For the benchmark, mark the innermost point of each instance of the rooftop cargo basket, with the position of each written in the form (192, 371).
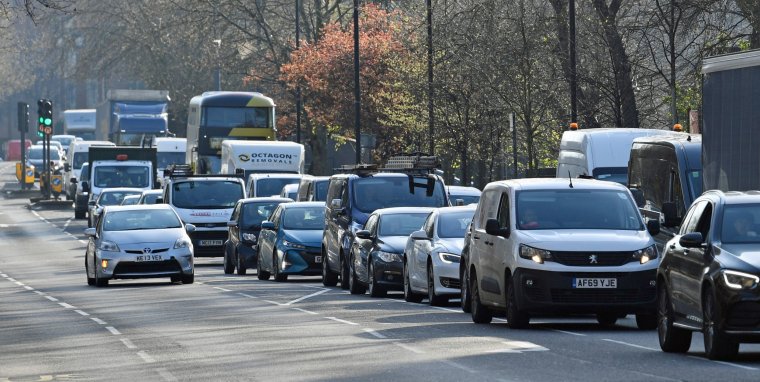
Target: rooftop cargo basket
(186, 171)
(411, 163)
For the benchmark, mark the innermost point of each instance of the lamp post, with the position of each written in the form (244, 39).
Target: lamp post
(573, 73)
(357, 93)
(298, 85)
(431, 116)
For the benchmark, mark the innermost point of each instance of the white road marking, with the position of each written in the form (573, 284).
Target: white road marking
(4, 226)
(341, 321)
(11, 279)
(407, 347)
(147, 358)
(39, 293)
(446, 309)
(307, 296)
(67, 224)
(166, 375)
(27, 287)
(247, 295)
(82, 241)
(113, 330)
(19, 283)
(99, 321)
(4, 275)
(518, 347)
(458, 366)
(51, 298)
(631, 345)
(304, 310)
(272, 302)
(128, 343)
(67, 306)
(724, 363)
(222, 289)
(567, 332)
(374, 333)
(82, 312)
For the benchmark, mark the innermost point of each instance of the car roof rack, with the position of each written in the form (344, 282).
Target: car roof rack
(415, 163)
(186, 171)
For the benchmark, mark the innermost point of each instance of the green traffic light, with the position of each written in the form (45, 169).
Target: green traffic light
(40, 134)
(48, 121)
(42, 119)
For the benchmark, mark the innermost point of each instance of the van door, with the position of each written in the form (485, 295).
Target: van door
(495, 251)
(479, 248)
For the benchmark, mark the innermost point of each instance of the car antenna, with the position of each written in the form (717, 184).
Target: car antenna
(570, 177)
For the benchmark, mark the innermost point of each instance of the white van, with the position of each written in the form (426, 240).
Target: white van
(600, 153)
(262, 157)
(77, 156)
(169, 151)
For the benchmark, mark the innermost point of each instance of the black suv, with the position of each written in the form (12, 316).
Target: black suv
(708, 278)
(406, 181)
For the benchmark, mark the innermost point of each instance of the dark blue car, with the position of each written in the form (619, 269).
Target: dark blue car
(290, 242)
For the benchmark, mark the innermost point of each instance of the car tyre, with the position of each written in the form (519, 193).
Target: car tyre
(90, 280)
(375, 289)
(261, 274)
(229, 266)
(240, 264)
(188, 279)
(329, 278)
(646, 321)
(278, 275)
(354, 286)
(344, 273)
(672, 339)
(606, 319)
(465, 297)
(717, 345)
(516, 318)
(409, 294)
(434, 299)
(480, 313)
(100, 282)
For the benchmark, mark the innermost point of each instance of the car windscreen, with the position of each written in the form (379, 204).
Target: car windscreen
(612, 174)
(453, 225)
(150, 198)
(140, 219)
(130, 201)
(79, 159)
(272, 186)
(373, 193)
(255, 213)
(466, 199)
(694, 177)
(401, 224)
(165, 159)
(206, 195)
(122, 176)
(304, 218)
(577, 209)
(320, 190)
(113, 198)
(740, 224)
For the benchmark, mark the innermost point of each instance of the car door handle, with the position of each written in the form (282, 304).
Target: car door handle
(489, 242)
(476, 237)
(672, 246)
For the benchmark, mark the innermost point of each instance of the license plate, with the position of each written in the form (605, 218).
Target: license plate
(209, 243)
(149, 258)
(317, 259)
(594, 283)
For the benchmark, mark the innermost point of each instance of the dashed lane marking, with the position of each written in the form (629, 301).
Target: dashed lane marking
(67, 224)
(724, 363)
(11, 279)
(222, 289)
(304, 311)
(247, 295)
(67, 306)
(51, 298)
(166, 375)
(113, 330)
(307, 296)
(99, 321)
(146, 357)
(568, 332)
(27, 287)
(128, 343)
(272, 302)
(341, 321)
(629, 344)
(82, 241)
(39, 293)
(19, 283)
(518, 347)
(374, 333)
(82, 312)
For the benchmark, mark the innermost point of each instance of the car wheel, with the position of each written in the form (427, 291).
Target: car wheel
(260, 272)
(480, 313)
(646, 321)
(188, 279)
(717, 345)
(409, 294)
(606, 319)
(240, 264)
(278, 276)
(229, 266)
(466, 299)
(90, 280)
(375, 290)
(434, 299)
(329, 278)
(354, 286)
(100, 282)
(672, 339)
(344, 273)
(516, 318)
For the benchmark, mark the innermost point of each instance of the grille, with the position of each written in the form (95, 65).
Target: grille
(129, 267)
(535, 294)
(602, 296)
(209, 235)
(603, 259)
(140, 251)
(210, 225)
(449, 282)
(744, 315)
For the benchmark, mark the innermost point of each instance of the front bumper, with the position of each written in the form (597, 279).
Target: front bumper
(301, 261)
(389, 274)
(553, 292)
(741, 320)
(208, 243)
(125, 265)
(446, 278)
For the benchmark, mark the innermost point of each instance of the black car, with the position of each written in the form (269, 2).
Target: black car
(244, 228)
(377, 255)
(708, 278)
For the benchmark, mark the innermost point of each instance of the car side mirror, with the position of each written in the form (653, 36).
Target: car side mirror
(493, 228)
(419, 235)
(691, 240)
(232, 223)
(670, 214)
(189, 228)
(638, 197)
(99, 211)
(653, 227)
(91, 232)
(459, 202)
(90, 203)
(363, 234)
(266, 224)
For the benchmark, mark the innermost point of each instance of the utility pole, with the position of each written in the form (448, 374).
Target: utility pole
(573, 72)
(298, 85)
(23, 128)
(357, 92)
(431, 116)
(218, 42)
(513, 129)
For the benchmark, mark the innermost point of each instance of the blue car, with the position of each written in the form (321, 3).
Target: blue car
(290, 242)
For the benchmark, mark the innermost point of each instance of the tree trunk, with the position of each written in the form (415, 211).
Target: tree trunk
(750, 9)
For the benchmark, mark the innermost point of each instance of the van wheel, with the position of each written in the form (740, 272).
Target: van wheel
(717, 346)
(672, 339)
(466, 299)
(329, 278)
(344, 273)
(480, 313)
(516, 318)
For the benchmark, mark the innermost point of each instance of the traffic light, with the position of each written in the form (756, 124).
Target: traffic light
(23, 117)
(45, 117)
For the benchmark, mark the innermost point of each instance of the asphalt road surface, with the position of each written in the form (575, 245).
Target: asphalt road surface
(53, 327)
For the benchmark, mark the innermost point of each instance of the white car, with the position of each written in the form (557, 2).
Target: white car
(140, 241)
(431, 258)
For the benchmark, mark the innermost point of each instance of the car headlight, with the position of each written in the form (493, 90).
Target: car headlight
(646, 254)
(389, 257)
(535, 254)
(292, 244)
(449, 257)
(739, 280)
(108, 246)
(250, 237)
(183, 242)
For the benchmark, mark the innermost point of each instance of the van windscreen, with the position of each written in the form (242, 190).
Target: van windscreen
(612, 174)
(206, 195)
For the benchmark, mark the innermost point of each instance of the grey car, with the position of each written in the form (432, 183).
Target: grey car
(139, 241)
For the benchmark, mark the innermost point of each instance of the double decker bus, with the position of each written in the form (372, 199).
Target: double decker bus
(221, 115)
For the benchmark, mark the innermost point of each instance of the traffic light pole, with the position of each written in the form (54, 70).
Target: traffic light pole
(23, 127)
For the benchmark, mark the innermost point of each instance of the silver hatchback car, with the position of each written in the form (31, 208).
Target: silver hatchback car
(139, 241)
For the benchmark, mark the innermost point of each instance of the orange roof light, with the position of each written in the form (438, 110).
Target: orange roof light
(677, 127)
(122, 157)
(573, 126)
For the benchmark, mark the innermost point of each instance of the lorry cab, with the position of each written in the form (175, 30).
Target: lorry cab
(78, 154)
(251, 157)
(169, 151)
(599, 153)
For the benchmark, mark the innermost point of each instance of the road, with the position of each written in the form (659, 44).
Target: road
(226, 327)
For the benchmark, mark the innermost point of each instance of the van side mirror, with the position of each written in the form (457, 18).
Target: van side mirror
(691, 240)
(670, 214)
(653, 227)
(493, 228)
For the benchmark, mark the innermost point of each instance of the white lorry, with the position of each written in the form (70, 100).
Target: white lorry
(268, 166)
(80, 123)
(599, 153)
(78, 153)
